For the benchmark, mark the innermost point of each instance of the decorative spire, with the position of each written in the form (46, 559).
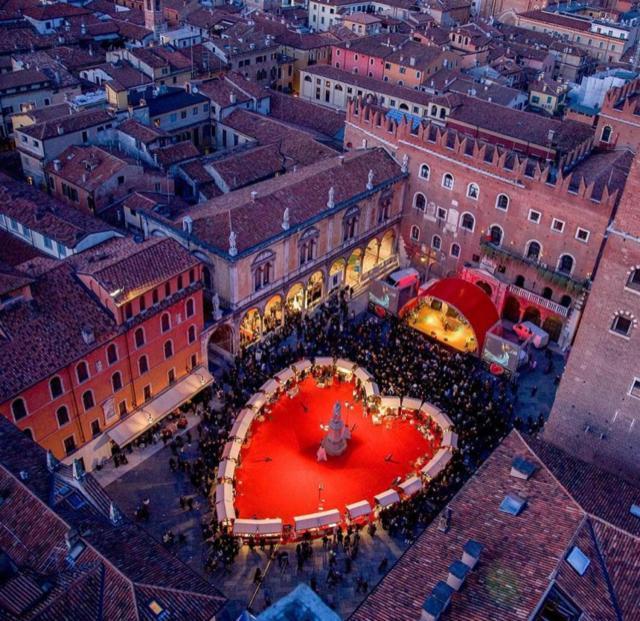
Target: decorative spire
(370, 180)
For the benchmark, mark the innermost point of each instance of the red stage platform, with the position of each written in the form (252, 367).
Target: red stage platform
(280, 476)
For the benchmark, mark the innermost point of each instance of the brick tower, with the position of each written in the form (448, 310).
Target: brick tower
(153, 16)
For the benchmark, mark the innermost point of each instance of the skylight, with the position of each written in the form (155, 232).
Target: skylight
(512, 504)
(635, 510)
(578, 560)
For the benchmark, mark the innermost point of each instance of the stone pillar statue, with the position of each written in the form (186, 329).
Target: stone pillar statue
(215, 302)
(370, 180)
(233, 250)
(335, 442)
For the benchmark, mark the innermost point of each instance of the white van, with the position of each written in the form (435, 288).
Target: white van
(527, 330)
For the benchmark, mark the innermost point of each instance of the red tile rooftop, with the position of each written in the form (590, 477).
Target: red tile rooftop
(68, 124)
(557, 19)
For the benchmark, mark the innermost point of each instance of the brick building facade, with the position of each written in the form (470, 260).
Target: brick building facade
(598, 402)
(90, 340)
(618, 122)
(534, 232)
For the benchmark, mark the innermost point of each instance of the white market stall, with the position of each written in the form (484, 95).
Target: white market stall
(386, 498)
(324, 361)
(437, 463)
(450, 438)
(358, 509)
(231, 450)
(411, 403)
(224, 502)
(226, 469)
(256, 402)
(389, 403)
(316, 520)
(301, 366)
(410, 486)
(263, 528)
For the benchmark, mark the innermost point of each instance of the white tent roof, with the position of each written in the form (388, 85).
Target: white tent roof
(371, 389)
(226, 469)
(442, 420)
(270, 386)
(410, 403)
(224, 502)
(231, 450)
(257, 527)
(344, 365)
(362, 374)
(390, 402)
(285, 375)
(386, 498)
(437, 463)
(256, 402)
(449, 438)
(301, 365)
(241, 424)
(316, 520)
(411, 485)
(358, 509)
(324, 361)
(155, 410)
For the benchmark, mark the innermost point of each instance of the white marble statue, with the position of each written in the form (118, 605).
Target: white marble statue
(233, 250)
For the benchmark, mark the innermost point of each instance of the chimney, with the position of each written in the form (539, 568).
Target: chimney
(52, 462)
(232, 98)
(254, 195)
(458, 572)
(522, 468)
(60, 130)
(57, 165)
(187, 224)
(87, 335)
(437, 602)
(114, 514)
(471, 553)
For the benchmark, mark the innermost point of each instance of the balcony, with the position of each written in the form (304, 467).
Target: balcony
(571, 285)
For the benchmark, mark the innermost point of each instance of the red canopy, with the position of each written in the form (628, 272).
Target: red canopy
(470, 301)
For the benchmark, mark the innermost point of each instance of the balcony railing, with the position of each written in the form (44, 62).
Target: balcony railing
(554, 276)
(534, 298)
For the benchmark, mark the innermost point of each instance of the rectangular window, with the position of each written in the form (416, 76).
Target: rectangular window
(147, 392)
(635, 388)
(534, 216)
(95, 428)
(122, 407)
(557, 225)
(582, 235)
(69, 445)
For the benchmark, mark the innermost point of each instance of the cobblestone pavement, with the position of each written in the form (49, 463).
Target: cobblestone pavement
(154, 479)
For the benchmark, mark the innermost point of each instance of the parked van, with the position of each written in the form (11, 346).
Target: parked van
(527, 330)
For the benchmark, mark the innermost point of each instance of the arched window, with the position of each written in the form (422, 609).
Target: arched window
(87, 400)
(55, 386)
(565, 265)
(338, 87)
(519, 282)
(606, 134)
(419, 201)
(547, 293)
(495, 234)
(28, 433)
(165, 322)
(415, 233)
(168, 349)
(112, 354)
(82, 372)
(139, 337)
(447, 181)
(424, 171)
(191, 335)
(473, 191)
(565, 301)
(622, 324)
(502, 202)
(468, 222)
(116, 381)
(307, 78)
(18, 409)
(633, 282)
(191, 307)
(534, 249)
(143, 365)
(307, 246)
(455, 250)
(436, 242)
(350, 224)
(62, 415)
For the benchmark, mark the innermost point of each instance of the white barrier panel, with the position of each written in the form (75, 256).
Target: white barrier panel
(437, 463)
(411, 485)
(301, 365)
(324, 361)
(392, 403)
(285, 375)
(442, 420)
(241, 424)
(449, 438)
(363, 375)
(226, 469)
(231, 450)
(256, 402)
(345, 366)
(410, 403)
(386, 498)
(257, 527)
(269, 387)
(316, 520)
(358, 509)
(224, 502)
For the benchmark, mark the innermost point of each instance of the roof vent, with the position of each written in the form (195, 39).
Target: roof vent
(512, 504)
(88, 335)
(24, 475)
(254, 195)
(471, 553)
(578, 560)
(444, 521)
(522, 468)
(57, 165)
(458, 572)
(60, 130)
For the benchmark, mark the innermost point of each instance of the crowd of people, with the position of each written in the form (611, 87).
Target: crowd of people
(404, 363)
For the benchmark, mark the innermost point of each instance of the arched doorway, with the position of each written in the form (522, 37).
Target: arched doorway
(314, 289)
(547, 293)
(295, 299)
(250, 327)
(336, 274)
(387, 246)
(565, 301)
(354, 268)
(221, 338)
(511, 309)
(532, 314)
(486, 287)
(553, 327)
(370, 256)
(273, 313)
